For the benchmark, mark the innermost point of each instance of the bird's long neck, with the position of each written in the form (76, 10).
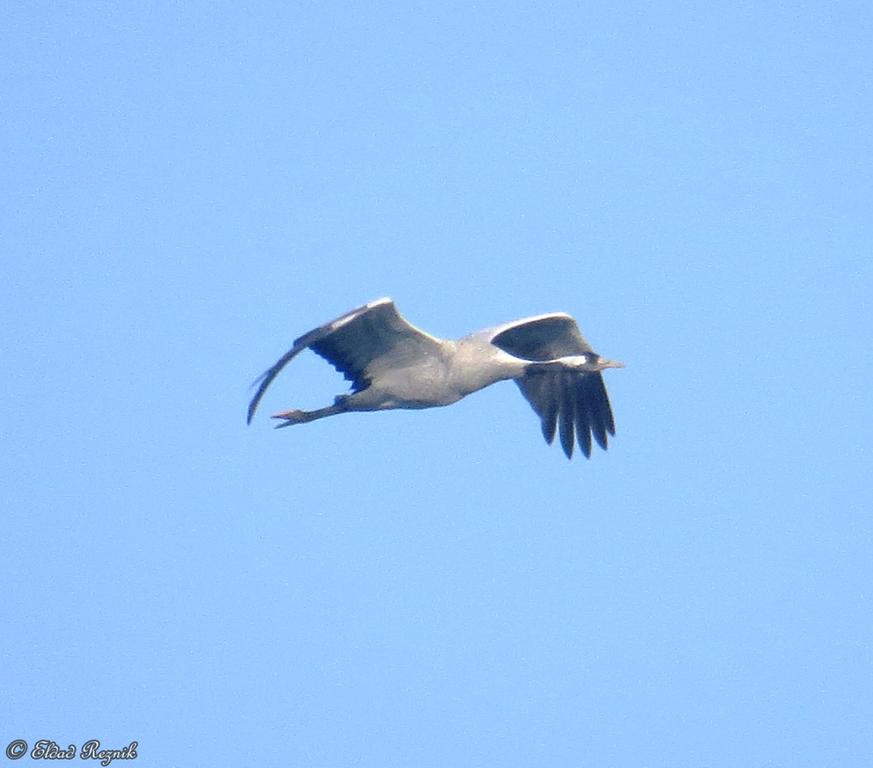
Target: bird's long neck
(471, 371)
(569, 363)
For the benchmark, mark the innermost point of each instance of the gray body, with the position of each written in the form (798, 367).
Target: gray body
(392, 364)
(455, 370)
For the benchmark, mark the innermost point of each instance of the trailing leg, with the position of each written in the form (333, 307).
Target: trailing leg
(301, 417)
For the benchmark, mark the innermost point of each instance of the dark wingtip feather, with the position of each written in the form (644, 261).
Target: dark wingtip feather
(266, 378)
(253, 405)
(550, 392)
(599, 435)
(583, 420)
(608, 420)
(567, 437)
(601, 413)
(567, 414)
(549, 426)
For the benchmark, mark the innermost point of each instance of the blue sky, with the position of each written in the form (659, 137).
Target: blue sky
(186, 189)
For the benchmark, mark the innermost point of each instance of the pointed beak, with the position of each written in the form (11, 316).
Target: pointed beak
(609, 364)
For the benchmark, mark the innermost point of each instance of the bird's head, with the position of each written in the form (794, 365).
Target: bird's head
(590, 362)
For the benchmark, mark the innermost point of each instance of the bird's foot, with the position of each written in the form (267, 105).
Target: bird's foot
(290, 417)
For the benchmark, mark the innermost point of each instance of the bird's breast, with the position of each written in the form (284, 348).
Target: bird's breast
(475, 367)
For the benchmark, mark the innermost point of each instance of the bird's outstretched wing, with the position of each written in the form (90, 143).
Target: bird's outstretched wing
(353, 342)
(574, 401)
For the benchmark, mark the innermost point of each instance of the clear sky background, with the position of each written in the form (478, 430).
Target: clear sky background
(187, 188)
